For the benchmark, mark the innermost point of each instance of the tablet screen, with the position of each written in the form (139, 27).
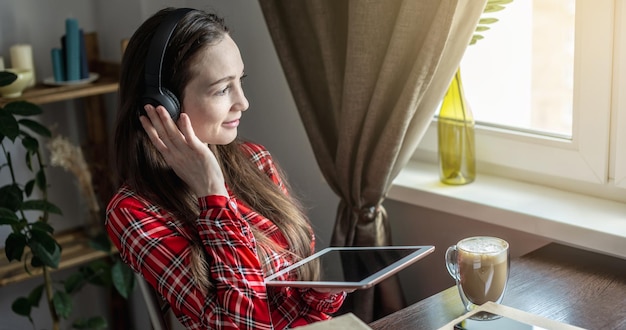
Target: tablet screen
(353, 267)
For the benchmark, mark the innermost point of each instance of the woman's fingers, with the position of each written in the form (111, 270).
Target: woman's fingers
(163, 129)
(184, 125)
(148, 123)
(190, 159)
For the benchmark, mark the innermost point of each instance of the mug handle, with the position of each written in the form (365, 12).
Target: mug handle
(452, 263)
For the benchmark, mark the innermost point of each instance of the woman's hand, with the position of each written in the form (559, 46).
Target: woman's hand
(190, 158)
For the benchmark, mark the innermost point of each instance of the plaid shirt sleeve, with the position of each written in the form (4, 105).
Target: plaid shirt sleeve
(151, 242)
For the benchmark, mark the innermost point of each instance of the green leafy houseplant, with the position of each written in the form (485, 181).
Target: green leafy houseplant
(31, 241)
(492, 6)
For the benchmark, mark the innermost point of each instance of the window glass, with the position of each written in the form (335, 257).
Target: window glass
(564, 87)
(521, 75)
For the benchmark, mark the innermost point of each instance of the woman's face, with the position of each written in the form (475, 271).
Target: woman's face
(214, 99)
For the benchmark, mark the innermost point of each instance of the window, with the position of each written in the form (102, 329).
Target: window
(587, 145)
(521, 75)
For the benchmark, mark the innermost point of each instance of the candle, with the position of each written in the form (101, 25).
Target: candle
(1, 63)
(22, 58)
(58, 64)
(84, 65)
(72, 49)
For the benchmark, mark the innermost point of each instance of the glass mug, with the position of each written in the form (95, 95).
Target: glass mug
(480, 266)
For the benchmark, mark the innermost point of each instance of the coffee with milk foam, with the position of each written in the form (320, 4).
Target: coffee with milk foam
(483, 268)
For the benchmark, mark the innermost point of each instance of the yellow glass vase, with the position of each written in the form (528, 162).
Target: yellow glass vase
(455, 130)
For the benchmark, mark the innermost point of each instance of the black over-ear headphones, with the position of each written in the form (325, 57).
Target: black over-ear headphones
(155, 93)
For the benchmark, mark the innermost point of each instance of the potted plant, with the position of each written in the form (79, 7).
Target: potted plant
(32, 239)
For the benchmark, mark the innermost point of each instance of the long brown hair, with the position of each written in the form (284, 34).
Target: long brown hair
(143, 169)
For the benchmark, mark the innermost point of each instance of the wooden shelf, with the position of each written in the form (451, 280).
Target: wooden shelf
(74, 244)
(42, 94)
(75, 251)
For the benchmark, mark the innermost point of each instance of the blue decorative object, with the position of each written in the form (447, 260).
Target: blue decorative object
(84, 65)
(58, 67)
(72, 49)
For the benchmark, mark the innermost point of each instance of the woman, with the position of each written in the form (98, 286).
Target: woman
(203, 216)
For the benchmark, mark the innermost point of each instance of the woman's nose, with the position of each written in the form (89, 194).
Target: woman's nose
(242, 101)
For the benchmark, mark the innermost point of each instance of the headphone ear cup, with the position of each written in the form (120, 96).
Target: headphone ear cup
(174, 105)
(165, 98)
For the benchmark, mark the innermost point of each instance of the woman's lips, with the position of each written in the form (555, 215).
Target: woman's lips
(232, 123)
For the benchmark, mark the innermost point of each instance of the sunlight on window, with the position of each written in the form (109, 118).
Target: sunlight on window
(520, 76)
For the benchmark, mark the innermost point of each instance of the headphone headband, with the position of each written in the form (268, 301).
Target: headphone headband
(158, 46)
(155, 93)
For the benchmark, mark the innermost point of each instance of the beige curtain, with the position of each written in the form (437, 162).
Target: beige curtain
(367, 76)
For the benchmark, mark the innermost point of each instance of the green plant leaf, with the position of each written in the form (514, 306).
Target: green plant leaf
(74, 282)
(36, 262)
(482, 28)
(48, 253)
(62, 304)
(493, 8)
(29, 162)
(9, 221)
(23, 108)
(41, 181)
(36, 127)
(31, 144)
(8, 217)
(475, 38)
(8, 125)
(11, 197)
(44, 238)
(41, 205)
(123, 278)
(499, 2)
(488, 20)
(94, 323)
(35, 296)
(98, 272)
(29, 187)
(6, 78)
(42, 226)
(22, 306)
(14, 246)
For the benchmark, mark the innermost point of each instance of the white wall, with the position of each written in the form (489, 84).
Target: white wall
(271, 120)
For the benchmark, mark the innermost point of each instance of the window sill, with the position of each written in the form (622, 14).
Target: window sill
(575, 219)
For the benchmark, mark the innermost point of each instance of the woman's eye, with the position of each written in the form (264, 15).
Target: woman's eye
(223, 91)
(227, 88)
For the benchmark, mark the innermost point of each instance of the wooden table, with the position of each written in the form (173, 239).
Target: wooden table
(562, 283)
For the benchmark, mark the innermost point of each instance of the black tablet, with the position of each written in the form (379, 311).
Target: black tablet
(490, 321)
(353, 267)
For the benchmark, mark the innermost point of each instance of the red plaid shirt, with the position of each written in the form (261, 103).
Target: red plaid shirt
(157, 245)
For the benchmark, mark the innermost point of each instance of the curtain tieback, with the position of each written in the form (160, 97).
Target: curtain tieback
(368, 213)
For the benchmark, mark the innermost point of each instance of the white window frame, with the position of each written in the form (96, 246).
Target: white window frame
(619, 96)
(586, 156)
